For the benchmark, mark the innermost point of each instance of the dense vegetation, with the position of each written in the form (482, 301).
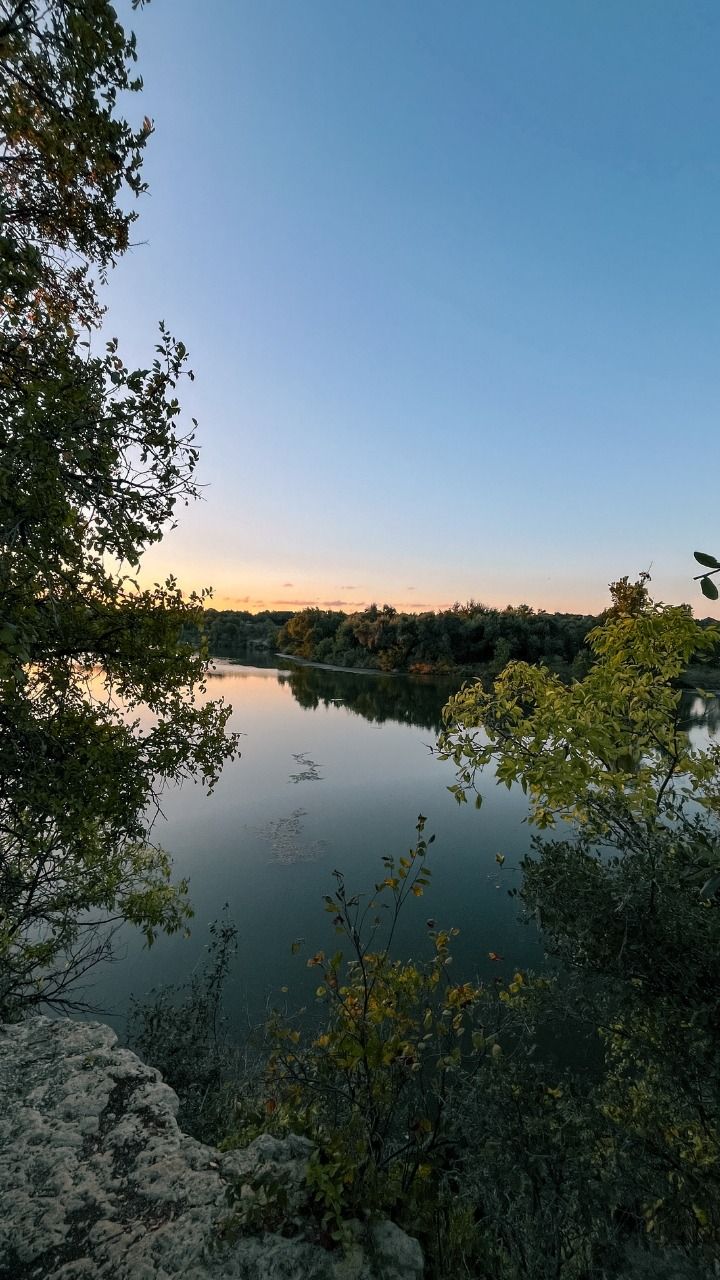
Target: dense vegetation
(467, 635)
(383, 639)
(231, 633)
(466, 638)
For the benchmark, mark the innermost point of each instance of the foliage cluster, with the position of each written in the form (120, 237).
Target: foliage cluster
(183, 1030)
(540, 1127)
(371, 1086)
(230, 633)
(465, 636)
(607, 751)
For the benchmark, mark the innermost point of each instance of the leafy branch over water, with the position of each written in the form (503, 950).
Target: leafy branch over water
(94, 462)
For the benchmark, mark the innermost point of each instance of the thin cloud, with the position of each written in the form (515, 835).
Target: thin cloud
(297, 604)
(341, 604)
(347, 586)
(288, 584)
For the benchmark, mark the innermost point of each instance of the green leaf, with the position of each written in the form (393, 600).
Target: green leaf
(709, 561)
(708, 588)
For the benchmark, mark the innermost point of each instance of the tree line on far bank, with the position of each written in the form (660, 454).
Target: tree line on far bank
(466, 636)
(382, 638)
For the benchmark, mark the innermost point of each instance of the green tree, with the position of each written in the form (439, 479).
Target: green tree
(604, 751)
(629, 904)
(93, 462)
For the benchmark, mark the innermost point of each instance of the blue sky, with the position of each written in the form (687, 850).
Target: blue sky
(448, 273)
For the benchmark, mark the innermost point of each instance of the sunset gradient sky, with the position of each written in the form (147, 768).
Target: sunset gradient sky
(448, 273)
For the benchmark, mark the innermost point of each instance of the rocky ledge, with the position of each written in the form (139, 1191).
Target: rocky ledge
(97, 1182)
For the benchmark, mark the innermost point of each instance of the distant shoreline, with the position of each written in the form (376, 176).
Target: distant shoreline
(329, 666)
(693, 679)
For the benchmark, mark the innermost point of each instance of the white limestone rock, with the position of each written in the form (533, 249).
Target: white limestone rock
(97, 1182)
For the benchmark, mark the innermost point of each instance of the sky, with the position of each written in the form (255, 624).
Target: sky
(448, 273)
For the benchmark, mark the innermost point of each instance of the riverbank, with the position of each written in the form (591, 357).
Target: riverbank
(329, 666)
(485, 671)
(697, 677)
(701, 678)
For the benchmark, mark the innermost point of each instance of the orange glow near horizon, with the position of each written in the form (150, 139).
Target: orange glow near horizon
(244, 588)
(251, 605)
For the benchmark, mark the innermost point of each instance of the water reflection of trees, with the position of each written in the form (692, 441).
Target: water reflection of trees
(700, 713)
(404, 699)
(412, 700)
(419, 701)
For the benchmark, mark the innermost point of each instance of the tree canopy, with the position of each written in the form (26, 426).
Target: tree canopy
(608, 743)
(469, 635)
(94, 460)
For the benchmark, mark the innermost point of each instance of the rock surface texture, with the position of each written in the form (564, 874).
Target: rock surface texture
(97, 1182)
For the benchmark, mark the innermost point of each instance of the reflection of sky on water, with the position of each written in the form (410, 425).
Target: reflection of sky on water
(267, 840)
(267, 844)
(701, 718)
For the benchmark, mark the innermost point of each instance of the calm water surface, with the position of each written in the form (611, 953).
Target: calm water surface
(335, 768)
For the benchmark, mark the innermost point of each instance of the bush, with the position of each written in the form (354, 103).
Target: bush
(182, 1031)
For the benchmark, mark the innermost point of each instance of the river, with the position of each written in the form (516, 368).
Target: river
(335, 768)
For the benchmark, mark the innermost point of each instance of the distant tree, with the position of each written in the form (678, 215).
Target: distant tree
(629, 598)
(304, 631)
(93, 463)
